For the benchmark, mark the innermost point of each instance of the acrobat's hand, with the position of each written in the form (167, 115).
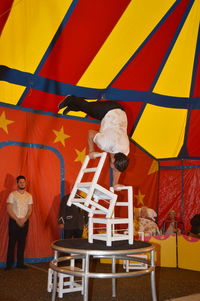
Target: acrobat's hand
(92, 155)
(118, 186)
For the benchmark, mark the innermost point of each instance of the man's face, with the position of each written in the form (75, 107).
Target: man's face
(172, 215)
(21, 184)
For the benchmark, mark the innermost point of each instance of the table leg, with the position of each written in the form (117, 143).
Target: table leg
(86, 278)
(113, 279)
(153, 285)
(55, 274)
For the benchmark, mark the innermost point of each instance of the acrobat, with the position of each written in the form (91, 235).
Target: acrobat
(112, 136)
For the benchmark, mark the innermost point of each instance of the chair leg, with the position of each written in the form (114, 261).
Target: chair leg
(49, 281)
(60, 286)
(90, 230)
(108, 232)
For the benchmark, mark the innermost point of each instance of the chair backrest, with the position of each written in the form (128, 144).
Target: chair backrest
(128, 202)
(87, 187)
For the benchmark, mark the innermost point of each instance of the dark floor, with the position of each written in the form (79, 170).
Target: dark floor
(31, 285)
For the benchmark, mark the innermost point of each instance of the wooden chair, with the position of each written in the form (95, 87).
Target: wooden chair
(111, 233)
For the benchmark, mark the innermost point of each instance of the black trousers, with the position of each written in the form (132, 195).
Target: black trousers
(97, 109)
(17, 235)
(73, 233)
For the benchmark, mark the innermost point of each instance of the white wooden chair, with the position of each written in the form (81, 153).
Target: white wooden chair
(110, 232)
(66, 283)
(92, 191)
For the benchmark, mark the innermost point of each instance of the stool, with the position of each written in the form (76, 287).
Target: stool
(99, 250)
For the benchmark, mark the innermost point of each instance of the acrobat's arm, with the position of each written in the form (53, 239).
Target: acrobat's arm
(116, 173)
(116, 176)
(91, 135)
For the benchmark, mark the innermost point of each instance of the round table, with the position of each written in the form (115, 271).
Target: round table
(82, 249)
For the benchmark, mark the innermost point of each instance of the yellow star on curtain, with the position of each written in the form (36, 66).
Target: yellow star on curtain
(60, 136)
(4, 122)
(140, 198)
(80, 155)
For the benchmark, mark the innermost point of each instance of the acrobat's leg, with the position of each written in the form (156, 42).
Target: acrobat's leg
(72, 103)
(96, 109)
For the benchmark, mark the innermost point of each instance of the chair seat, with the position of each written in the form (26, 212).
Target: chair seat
(118, 220)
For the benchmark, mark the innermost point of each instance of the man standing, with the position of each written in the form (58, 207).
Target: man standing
(112, 136)
(19, 208)
(72, 219)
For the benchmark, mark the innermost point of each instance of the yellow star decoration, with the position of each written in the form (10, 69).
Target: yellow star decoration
(140, 198)
(153, 168)
(80, 155)
(4, 122)
(60, 136)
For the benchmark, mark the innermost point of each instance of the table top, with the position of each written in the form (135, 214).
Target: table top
(82, 246)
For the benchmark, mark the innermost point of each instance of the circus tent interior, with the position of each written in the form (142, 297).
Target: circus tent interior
(144, 55)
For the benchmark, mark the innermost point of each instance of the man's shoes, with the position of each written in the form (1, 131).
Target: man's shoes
(21, 266)
(66, 110)
(64, 103)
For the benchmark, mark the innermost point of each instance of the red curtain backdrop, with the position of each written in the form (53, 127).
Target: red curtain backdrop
(49, 151)
(5, 8)
(179, 190)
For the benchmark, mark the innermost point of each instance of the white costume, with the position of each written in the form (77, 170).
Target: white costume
(112, 136)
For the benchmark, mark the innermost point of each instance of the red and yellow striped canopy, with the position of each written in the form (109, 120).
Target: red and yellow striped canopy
(145, 54)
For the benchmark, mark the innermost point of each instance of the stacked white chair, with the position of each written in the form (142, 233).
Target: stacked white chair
(111, 231)
(93, 192)
(100, 203)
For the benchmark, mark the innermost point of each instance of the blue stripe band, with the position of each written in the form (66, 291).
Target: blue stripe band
(59, 88)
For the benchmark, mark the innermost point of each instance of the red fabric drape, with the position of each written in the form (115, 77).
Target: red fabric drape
(179, 190)
(5, 7)
(47, 150)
